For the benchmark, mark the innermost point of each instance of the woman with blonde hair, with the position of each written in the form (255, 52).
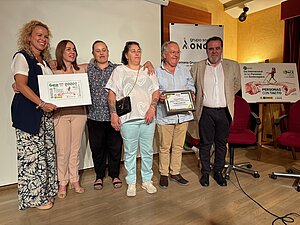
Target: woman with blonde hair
(32, 119)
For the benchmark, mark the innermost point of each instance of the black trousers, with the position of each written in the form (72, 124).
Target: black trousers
(214, 130)
(106, 145)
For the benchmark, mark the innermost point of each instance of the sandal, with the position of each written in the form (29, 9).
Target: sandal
(98, 185)
(117, 183)
(47, 205)
(77, 188)
(62, 191)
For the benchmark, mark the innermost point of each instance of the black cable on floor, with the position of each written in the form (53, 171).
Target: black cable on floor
(284, 219)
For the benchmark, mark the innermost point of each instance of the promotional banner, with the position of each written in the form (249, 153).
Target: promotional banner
(270, 82)
(191, 39)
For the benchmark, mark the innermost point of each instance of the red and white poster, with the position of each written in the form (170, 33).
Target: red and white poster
(270, 82)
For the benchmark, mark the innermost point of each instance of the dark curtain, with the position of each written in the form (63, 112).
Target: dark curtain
(291, 52)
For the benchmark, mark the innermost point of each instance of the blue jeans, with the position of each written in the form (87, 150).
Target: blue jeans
(137, 133)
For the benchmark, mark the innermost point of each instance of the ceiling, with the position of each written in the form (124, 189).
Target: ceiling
(235, 7)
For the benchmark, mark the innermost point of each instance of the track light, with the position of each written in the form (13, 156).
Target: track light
(243, 15)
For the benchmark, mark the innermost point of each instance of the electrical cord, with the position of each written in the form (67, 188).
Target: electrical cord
(284, 219)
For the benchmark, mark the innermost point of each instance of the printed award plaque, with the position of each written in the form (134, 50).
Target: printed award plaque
(179, 101)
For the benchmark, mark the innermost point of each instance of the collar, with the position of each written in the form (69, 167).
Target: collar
(207, 62)
(94, 63)
(164, 68)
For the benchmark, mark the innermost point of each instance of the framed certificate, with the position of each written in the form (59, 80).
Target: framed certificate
(64, 90)
(179, 101)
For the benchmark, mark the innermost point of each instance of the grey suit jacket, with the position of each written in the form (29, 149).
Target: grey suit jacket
(232, 83)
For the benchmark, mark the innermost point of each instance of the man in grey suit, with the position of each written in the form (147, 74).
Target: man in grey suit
(217, 80)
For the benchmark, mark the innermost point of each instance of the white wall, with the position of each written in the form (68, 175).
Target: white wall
(82, 21)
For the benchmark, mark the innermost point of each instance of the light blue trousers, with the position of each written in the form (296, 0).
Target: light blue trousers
(137, 133)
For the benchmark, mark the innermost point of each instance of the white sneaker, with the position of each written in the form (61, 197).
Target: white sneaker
(131, 190)
(149, 187)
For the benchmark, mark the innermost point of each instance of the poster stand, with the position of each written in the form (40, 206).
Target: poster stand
(268, 84)
(265, 108)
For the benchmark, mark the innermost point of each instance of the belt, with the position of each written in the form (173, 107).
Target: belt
(214, 108)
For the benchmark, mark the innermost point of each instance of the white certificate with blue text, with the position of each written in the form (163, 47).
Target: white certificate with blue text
(64, 90)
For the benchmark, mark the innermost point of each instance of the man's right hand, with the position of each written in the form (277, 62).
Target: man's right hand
(162, 97)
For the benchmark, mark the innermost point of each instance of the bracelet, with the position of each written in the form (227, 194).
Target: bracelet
(41, 105)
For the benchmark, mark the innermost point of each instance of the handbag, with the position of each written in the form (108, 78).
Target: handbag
(123, 106)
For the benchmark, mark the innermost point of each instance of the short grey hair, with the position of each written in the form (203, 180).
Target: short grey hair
(165, 46)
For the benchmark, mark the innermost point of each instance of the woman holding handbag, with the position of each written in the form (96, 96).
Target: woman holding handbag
(137, 126)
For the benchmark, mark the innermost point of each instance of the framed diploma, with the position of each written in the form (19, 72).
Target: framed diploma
(179, 101)
(64, 90)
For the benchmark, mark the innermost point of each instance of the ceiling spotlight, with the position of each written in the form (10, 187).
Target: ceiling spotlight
(243, 15)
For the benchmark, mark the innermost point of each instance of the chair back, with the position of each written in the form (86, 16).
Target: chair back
(293, 118)
(240, 132)
(242, 114)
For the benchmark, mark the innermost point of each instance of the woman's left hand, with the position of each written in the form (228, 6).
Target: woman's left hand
(53, 64)
(48, 107)
(150, 115)
(15, 89)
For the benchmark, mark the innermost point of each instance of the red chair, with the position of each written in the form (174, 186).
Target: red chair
(290, 138)
(241, 134)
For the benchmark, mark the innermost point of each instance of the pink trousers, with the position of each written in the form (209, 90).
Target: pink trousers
(69, 124)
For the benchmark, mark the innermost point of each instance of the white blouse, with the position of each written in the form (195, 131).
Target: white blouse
(121, 82)
(19, 65)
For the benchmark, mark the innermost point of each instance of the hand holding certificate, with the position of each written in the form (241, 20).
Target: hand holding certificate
(179, 101)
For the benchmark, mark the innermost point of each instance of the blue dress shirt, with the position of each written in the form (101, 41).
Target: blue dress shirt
(180, 80)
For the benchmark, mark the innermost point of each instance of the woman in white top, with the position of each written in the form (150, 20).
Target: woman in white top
(136, 127)
(33, 120)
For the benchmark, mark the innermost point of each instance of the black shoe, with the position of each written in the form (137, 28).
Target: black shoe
(218, 176)
(163, 182)
(179, 179)
(204, 180)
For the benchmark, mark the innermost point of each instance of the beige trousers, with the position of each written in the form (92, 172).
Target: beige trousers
(171, 141)
(69, 125)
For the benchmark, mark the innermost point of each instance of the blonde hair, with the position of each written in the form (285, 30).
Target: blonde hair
(25, 32)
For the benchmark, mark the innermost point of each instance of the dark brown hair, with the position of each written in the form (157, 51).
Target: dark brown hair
(96, 42)
(124, 60)
(215, 38)
(60, 48)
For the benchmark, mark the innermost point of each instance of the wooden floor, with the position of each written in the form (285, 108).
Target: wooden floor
(189, 205)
